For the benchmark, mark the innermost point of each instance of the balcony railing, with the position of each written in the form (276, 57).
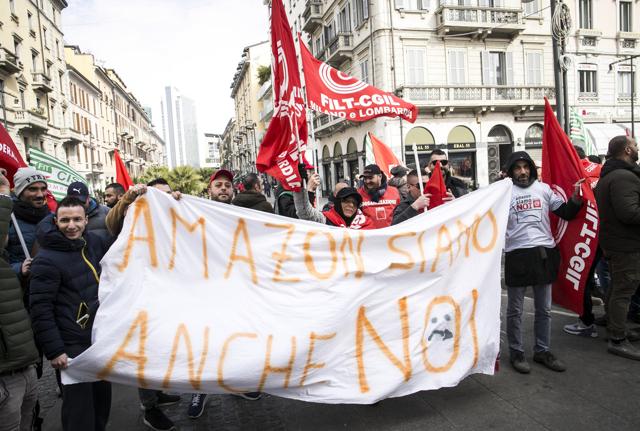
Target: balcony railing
(470, 95)
(339, 49)
(9, 62)
(326, 125)
(41, 82)
(312, 15)
(453, 18)
(33, 119)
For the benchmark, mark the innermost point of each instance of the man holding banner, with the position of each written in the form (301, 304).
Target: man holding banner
(532, 258)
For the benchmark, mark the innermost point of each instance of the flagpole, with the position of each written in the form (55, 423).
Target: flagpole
(415, 156)
(20, 237)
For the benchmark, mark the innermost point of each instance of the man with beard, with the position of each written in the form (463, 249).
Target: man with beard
(112, 194)
(532, 258)
(414, 203)
(252, 196)
(618, 198)
(221, 186)
(29, 208)
(378, 198)
(455, 185)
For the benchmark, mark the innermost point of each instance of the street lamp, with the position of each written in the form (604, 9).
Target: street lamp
(633, 88)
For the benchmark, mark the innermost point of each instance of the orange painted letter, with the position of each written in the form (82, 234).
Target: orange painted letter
(223, 356)
(268, 369)
(195, 378)
(363, 324)
(248, 259)
(141, 206)
(175, 218)
(282, 256)
(391, 244)
(309, 365)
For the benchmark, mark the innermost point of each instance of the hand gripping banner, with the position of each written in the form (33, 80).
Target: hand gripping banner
(335, 93)
(198, 296)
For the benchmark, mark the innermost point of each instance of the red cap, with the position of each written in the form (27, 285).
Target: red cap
(221, 173)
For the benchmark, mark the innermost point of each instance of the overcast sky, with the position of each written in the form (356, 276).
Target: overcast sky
(194, 45)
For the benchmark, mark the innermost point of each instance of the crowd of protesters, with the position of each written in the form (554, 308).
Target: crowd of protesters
(50, 266)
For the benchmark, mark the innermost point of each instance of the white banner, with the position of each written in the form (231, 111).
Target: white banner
(198, 296)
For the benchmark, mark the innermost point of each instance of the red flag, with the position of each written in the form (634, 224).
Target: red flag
(383, 155)
(10, 157)
(338, 94)
(577, 239)
(436, 187)
(285, 141)
(122, 175)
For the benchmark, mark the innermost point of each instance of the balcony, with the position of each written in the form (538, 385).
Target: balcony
(327, 125)
(71, 136)
(312, 15)
(339, 49)
(41, 82)
(483, 21)
(9, 62)
(97, 168)
(475, 97)
(34, 119)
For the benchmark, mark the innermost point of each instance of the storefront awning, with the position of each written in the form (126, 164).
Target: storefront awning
(602, 133)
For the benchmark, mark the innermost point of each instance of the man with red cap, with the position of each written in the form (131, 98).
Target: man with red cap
(378, 198)
(221, 186)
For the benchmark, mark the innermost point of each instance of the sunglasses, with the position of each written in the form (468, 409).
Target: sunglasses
(442, 162)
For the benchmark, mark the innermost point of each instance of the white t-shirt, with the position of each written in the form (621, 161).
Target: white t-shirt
(529, 224)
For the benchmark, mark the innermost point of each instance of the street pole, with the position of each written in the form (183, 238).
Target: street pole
(633, 95)
(557, 74)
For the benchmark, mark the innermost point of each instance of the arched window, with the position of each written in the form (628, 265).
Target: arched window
(533, 136)
(461, 135)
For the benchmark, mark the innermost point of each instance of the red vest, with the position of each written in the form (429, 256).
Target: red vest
(360, 221)
(593, 172)
(380, 213)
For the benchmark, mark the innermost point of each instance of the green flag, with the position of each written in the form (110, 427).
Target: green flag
(579, 135)
(59, 174)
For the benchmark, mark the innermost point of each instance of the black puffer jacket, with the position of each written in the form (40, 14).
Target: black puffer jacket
(17, 347)
(618, 198)
(63, 275)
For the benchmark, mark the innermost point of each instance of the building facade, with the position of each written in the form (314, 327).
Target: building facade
(107, 116)
(599, 90)
(180, 129)
(213, 149)
(249, 99)
(478, 71)
(33, 75)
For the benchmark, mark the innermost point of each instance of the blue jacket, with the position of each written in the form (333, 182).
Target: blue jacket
(97, 214)
(64, 274)
(14, 248)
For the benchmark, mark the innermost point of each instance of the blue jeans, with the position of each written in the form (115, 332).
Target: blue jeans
(542, 321)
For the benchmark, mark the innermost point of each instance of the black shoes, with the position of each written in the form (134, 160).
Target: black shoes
(549, 360)
(167, 399)
(624, 349)
(198, 403)
(156, 420)
(519, 363)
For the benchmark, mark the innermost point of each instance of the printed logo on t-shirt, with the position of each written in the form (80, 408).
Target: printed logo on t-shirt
(528, 209)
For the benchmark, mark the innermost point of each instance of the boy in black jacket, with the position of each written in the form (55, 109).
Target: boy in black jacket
(64, 300)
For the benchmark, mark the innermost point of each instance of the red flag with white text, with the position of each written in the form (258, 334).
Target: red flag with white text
(10, 157)
(285, 141)
(576, 239)
(436, 187)
(336, 93)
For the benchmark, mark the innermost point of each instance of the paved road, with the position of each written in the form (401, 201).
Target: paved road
(598, 392)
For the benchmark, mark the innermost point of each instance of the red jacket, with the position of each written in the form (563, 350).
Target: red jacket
(380, 213)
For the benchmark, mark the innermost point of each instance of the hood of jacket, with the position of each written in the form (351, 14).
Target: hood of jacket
(50, 237)
(511, 163)
(615, 164)
(249, 199)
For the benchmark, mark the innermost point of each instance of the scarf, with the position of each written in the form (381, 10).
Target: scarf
(28, 213)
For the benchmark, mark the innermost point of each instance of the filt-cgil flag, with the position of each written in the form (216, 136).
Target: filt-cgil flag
(333, 92)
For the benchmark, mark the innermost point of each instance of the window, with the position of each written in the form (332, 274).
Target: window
(45, 37)
(534, 68)
(22, 100)
(30, 21)
(532, 9)
(497, 68)
(456, 67)
(412, 4)
(625, 16)
(586, 18)
(57, 48)
(488, 3)
(61, 82)
(361, 11)
(364, 70)
(329, 33)
(415, 60)
(344, 19)
(16, 48)
(624, 83)
(588, 83)
(12, 6)
(34, 62)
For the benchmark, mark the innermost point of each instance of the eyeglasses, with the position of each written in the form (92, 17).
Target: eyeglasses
(442, 162)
